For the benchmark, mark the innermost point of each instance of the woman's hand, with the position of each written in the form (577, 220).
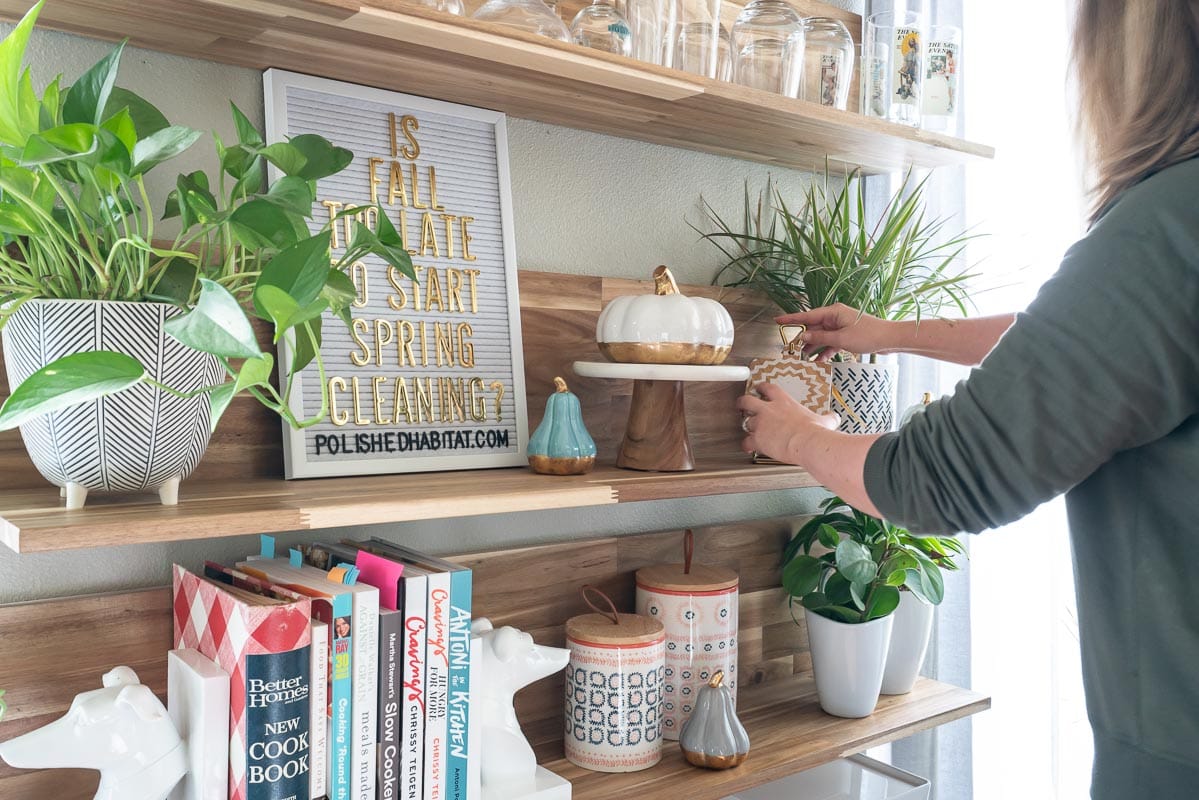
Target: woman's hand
(776, 425)
(832, 329)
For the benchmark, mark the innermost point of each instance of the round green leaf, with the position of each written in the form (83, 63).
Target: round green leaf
(884, 600)
(801, 575)
(69, 381)
(829, 536)
(854, 562)
(216, 325)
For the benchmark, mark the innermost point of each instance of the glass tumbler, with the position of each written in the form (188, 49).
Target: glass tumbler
(454, 7)
(701, 43)
(943, 57)
(892, 72)
(652, 23)
(527, 15)
(601, 27)
(828, 62)
(767, 44)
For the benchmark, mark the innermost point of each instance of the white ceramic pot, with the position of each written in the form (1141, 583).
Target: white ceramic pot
(848, 661)
(909, 642)
(869, 390)
(137, 440)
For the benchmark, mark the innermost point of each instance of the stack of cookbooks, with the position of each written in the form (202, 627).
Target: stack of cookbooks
(350, 667)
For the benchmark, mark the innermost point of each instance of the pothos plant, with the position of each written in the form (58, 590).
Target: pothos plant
(867, 563)
(77, 223)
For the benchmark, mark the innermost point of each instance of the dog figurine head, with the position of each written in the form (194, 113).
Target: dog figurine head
(122, 730)
(511, 660)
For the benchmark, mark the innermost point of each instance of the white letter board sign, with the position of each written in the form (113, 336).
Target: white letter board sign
(431, 374)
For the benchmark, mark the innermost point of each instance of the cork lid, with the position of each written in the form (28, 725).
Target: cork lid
(628, 629)
(608, 628)
(675, 578)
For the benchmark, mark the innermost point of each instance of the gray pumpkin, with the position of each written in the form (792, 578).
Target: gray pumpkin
(712, 736)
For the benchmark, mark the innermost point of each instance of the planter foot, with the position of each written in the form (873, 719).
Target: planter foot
(168, 493)
(62, 491)
(76, 495)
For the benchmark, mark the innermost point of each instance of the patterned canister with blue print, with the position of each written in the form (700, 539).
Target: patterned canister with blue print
(698, 607)
(614, 691)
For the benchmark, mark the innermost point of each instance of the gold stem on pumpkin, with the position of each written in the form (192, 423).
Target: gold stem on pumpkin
(560, 385)
(716, 679)
(664, 281)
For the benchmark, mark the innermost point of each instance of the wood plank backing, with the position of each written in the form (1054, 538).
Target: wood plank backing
(395, 45)
(51, 650)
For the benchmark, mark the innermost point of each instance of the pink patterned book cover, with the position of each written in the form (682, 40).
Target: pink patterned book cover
(263, 644)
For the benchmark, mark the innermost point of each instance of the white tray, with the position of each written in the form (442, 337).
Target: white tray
(660, 372)
(853, 778)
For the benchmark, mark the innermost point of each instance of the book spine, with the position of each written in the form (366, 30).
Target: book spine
(318, 728)
(277, 716)
(366, 693)
(341, 717)
(437, 656)
(458, 703)
(412, 735)
(391, 676)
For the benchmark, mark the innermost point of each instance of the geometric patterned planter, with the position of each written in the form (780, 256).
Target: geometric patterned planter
(868, 389)
(137, 440)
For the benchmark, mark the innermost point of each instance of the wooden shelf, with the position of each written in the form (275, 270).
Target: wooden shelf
(394, 45)
(788, 733)
(35, 520)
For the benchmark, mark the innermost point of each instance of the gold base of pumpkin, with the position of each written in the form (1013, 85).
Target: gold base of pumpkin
(664, 353)
(714, 762)
(545, 465)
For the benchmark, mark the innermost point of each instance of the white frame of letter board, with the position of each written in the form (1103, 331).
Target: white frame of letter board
(275, 83)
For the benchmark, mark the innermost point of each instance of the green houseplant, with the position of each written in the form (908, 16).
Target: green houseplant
(113, 335)
(850, 593)
(827, 249)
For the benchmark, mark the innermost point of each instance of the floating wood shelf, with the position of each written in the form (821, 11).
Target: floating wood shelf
(394, 45)
(787, 732)
(35, 520)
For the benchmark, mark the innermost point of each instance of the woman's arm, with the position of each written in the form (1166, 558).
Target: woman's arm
(835, 328)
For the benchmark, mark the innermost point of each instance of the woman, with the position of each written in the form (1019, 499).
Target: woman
(1093, 391)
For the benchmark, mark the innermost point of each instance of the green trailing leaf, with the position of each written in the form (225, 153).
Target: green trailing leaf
(178, 282)
(304, 348)
(17, 118)
(69, 381)
(122, 127)
(254, 372)
(218, 401)
(282, 309)
(147, 119)
(88, 97)
(300, 271)
(340, 293)
(286, 157)
(293, 194)
(247, 134)
(162, 146)
(321, 157)
(216, 325)
(364, 240)
(259, 224)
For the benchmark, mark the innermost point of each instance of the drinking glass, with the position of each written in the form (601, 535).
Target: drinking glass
(449, 6)
(892, 73)
(652, 23)
(943, 55)
(527, 15)
(828, 62)
(601, 27)
(767, 46)
(701, 43)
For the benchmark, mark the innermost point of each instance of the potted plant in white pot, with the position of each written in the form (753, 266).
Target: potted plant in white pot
(122, 353)
(898, 265)
(849, 595)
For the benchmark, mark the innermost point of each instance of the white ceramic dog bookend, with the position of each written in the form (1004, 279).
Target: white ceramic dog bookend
(511, 661)
(122, 730)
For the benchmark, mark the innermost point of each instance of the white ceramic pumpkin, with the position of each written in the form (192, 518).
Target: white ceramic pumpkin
(666, 327)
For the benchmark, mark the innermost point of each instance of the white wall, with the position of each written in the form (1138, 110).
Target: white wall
(585, 204)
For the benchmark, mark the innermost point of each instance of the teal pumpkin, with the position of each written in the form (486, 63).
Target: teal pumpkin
(561, 445)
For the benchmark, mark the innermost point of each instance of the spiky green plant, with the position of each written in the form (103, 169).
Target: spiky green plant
(901, 266)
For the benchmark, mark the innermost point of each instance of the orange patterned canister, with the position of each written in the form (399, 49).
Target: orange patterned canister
(614, 691)
(698, 607)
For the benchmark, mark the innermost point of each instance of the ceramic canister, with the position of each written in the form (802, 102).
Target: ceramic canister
(614, 691)
(698, 607)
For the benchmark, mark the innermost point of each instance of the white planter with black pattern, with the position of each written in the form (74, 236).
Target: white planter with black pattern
(141, 439)
(869, 391)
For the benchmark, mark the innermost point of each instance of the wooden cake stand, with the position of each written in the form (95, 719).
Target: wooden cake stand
(655, 438)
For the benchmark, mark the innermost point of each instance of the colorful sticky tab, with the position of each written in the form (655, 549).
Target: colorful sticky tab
(267, 543)
(383, 573)
(295, 558)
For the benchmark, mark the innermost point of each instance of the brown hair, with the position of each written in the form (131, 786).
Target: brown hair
(1137, 64)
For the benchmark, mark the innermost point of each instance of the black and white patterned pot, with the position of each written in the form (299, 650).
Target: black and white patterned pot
(869, 390)
(139, 439)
